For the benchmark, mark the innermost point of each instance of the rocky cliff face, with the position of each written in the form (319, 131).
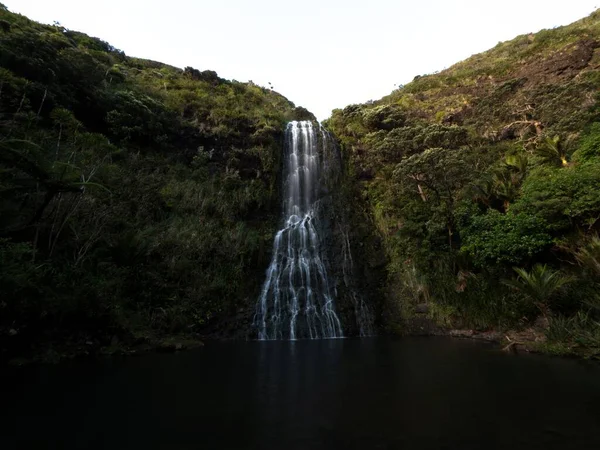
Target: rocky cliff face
(350, 246)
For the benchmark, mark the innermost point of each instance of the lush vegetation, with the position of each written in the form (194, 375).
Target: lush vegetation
(137, 201)
(484, 183)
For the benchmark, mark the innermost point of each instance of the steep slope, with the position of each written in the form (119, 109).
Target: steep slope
(138, 200)
(491, 164)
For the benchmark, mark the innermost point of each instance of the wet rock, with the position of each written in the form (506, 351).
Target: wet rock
(422, 308)
(491, 336)
(462, 333)
(421, 326)
(542, 323)
(366, 174)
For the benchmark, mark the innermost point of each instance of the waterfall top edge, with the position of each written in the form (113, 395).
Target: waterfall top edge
(301, 123)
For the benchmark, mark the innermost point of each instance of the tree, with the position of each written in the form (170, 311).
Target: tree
(553, 151)
(539, 285)
(436, 176)
(496, 238)
(564, 197)
(508, 178)
(588, 255)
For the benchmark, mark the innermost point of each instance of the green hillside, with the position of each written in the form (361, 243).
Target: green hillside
(483, 181)
(138, 200)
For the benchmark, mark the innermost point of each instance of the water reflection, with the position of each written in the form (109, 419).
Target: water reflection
(363, 393)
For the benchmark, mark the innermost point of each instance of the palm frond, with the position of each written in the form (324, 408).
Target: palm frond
(589, 255)
(540, 284)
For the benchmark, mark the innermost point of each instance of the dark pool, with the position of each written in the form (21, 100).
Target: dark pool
(413, 393)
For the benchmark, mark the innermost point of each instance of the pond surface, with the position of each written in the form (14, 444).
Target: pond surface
(410, 393)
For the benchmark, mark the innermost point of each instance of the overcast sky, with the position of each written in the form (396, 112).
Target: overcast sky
(321, 54)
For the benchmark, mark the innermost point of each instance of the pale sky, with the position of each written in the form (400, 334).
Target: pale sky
(320, 54)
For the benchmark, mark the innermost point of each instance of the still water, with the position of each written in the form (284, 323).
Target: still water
(411, 393)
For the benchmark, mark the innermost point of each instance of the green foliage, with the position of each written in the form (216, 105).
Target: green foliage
(19, 278)
(385, 117)
(564, 197)
(552, 151)
(575, 335)
(442, 171)
(490, 163)
(588, 255)
(539, 285)
(137, 199)
(496, 238)
(589, 147)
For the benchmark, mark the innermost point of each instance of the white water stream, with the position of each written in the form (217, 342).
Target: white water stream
(296, 301)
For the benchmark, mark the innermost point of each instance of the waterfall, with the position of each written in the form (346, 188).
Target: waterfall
(362, 313)
(296, 300)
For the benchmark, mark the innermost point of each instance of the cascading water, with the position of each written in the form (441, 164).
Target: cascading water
(296, 301)
(362, 313)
